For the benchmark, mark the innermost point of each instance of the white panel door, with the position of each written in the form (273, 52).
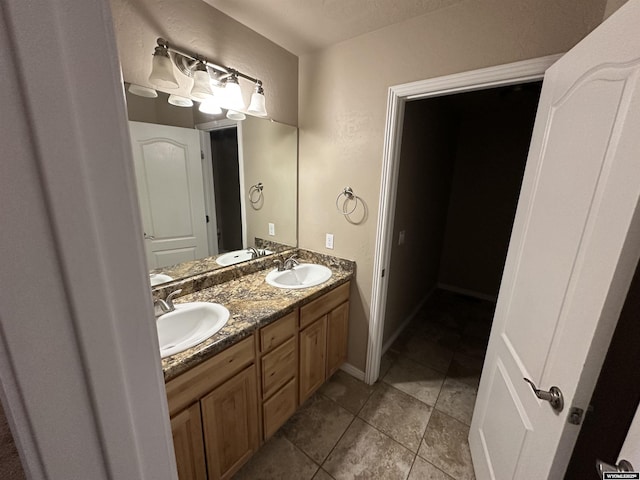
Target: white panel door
(168, 169)
(562, 278)
(630, 450)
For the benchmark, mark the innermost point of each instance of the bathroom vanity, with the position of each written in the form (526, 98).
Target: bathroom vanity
(229, 394)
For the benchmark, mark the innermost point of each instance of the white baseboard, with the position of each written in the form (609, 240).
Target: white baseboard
(353, 371)
(469, 293)
(406, 322)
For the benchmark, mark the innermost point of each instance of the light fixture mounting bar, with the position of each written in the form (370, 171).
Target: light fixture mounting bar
(225, 71)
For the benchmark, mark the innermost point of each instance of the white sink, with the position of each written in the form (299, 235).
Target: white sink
(158, 278)
(301, 276)
(237, 256)
(188, 325)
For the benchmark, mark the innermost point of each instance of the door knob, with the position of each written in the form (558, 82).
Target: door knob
(553, 396)
(622, 466)
(148, 237)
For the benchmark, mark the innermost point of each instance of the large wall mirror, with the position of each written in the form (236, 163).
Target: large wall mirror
(212, 192)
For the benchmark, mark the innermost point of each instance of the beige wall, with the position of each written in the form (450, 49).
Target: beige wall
(426, 169)
(342, 106)
(612, 6)
(270, 154)
(197, 27)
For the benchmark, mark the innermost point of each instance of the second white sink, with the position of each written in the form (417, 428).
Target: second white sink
(237, 256)
(188, 325)
(301, 276)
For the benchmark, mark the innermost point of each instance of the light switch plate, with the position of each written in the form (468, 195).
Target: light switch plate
(329, 241)
(272, 229)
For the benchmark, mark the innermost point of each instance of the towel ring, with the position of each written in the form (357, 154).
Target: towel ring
(255, 193)
(349, 195)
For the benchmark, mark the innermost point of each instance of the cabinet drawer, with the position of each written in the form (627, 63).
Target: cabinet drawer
(278, 367)
(201, 379)
(320, 306)
(279, 408)
(273, 335)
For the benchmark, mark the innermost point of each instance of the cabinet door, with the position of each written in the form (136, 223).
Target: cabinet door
(313, 346)
(230, 419)
(337, 334)
(186, 428)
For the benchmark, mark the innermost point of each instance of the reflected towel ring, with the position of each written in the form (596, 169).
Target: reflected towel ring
(255, 193)
(349, 195)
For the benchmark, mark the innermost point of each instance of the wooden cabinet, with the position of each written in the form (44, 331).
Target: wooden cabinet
(279, 372)
(214, 414)
(324, 326)
(222, 408)
(337, 336)
(313, 347)
(186, 427)
(230, 421)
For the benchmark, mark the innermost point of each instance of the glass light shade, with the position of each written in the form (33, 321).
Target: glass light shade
(201, 89)
(142, 91)
(162, 72)
(233, 115)
(210, 106)
(257, 105)
(233, 97)
(179, 101)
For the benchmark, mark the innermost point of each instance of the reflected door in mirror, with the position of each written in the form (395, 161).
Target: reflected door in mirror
(170, 190)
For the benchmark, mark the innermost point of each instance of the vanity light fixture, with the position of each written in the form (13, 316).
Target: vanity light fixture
(162, 69)
(179, 101)
(201, 89)
(210, 106)
(257, 106)
(206, 74)
(142, 91)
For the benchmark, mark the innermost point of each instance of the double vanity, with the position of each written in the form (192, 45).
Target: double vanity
(285, 335)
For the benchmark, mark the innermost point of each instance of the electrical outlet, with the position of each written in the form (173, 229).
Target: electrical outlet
(329, 241)
(272, 229)
(401, 237)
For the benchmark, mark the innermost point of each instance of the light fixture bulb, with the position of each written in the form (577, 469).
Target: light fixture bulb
(179, 101)
(162, 69)
(257, 106)
(210, 106)
(201, 89)
(233, 94)
(142, 91)
(233, 115)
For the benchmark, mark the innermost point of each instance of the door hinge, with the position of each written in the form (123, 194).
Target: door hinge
(382, 276)
(201, 155)
(575, 416)
(207, 218)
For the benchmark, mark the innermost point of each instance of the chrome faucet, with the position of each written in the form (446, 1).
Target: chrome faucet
(291, 262)
(254, 253)
(160, 307)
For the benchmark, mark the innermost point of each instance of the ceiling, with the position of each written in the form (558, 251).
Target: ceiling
(304, 26)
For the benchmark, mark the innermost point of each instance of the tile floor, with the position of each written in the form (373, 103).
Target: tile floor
(412, 424)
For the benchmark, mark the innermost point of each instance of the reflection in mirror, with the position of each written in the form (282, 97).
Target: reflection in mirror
(211, 191)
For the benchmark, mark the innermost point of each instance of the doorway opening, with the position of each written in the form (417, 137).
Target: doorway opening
(226, 189)
(462, 161)
(400, 98)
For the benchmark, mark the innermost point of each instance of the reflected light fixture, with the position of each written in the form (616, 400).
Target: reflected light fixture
(233, 115)
(179, 101)
(257, 106)
(210, 106)
(162, 69)
(206, 74)
(142, 91)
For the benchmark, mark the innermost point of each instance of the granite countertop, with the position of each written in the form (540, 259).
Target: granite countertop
(252, 303)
